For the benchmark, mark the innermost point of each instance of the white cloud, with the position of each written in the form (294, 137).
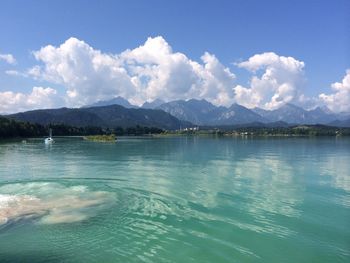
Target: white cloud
(280, 82)
(217, 81)
(87, 74)
(154, 71)
(147, 72)
(33, 72)
(15, 73)
(39, 98)
(339, 101)
(8, 58)
(171, 75)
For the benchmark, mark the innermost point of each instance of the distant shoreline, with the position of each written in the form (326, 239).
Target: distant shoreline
(296, 131)
(159, 136)
(245, 136)
(10, 128)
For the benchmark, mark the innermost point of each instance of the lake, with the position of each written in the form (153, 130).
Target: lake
(180, 199)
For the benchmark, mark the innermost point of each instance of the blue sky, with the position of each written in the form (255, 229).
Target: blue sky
(313, 32)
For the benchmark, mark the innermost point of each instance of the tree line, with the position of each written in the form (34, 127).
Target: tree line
(306, 130)
(10, 128)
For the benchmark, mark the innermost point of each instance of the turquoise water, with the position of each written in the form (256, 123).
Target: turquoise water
(187, 199)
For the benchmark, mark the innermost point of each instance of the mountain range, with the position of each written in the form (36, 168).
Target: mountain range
(180, 113)
(115, 101)
(110, 116)
(152, 105)
(202, 112)
(293, 114)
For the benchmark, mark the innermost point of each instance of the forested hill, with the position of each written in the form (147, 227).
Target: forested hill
(111, 116)
(10, 128)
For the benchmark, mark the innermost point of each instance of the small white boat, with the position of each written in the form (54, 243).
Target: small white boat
(49, 139)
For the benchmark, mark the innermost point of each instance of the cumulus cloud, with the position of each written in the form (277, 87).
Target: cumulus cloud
(87, 74)
(8, 58)
(280, 82)
(15, 73)
(154, 71)
(39, 98)
(172, 75)
(339, 101)
(149, 71)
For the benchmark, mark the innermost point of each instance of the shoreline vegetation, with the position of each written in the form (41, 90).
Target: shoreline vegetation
(101, 138)
(293, 131)
(10, 128)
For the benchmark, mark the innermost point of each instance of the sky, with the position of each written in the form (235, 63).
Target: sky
(252, 52)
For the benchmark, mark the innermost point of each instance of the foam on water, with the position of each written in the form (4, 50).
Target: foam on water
(51, 203)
